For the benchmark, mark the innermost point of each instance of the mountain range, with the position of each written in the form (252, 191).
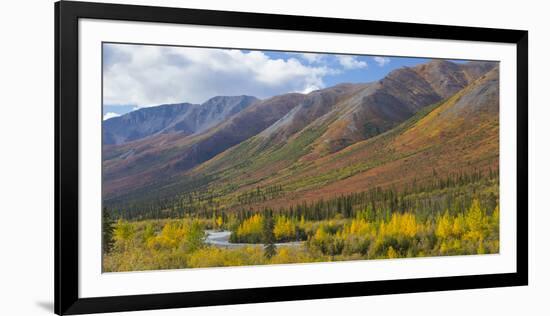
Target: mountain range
(183, 118)
(439, 116)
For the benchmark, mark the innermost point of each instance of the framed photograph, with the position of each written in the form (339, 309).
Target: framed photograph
(208, 157)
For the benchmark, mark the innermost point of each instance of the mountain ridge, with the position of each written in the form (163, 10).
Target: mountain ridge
(184, 118)
(280, 133)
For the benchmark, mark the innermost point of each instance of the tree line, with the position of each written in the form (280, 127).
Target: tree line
(453, 191)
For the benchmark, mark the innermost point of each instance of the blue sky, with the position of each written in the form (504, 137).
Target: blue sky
(376, 68)
(136, 76)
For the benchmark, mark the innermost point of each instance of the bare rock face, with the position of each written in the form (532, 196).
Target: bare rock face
(445, 77)
(314, 106)
(482, 98)
(237, 129)
(184, 118)
(144, 122)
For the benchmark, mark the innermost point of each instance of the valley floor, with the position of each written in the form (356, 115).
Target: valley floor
(184, 242)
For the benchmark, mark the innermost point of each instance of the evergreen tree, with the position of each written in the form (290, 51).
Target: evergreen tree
(268, 236)
(108, 226)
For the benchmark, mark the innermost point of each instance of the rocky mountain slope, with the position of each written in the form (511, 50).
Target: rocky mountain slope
(345, 138)
(183, 118)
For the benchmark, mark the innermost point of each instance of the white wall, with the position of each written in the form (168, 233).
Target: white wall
(26, 159)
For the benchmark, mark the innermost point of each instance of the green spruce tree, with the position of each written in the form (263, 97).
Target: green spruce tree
(108, 226)
(268, 236)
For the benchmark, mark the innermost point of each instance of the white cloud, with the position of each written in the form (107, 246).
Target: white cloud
(109, 115)
(312, 58)
(351, 62)
(381, 61)
(152, 75)
(310, 88)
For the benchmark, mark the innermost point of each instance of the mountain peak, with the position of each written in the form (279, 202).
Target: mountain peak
(224, 98)
(185, 118)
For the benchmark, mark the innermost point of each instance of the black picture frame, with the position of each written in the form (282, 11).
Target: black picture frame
(67, 15)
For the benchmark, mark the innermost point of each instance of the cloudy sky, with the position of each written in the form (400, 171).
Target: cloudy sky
(137, 76)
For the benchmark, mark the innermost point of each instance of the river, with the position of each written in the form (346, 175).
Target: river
(221, 239)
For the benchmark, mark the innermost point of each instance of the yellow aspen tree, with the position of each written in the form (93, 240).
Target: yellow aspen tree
(148, 233)
(480, 247)
(444, 226)
(459, 225)
(392, 254)
(124, 233)
(475, 217)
